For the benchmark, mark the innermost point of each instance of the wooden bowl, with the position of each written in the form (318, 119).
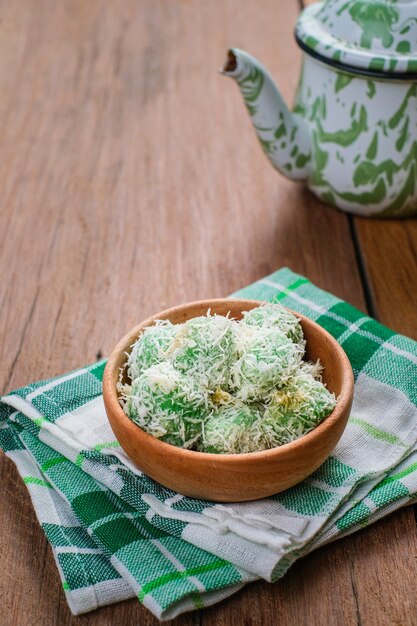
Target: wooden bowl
(232, 477)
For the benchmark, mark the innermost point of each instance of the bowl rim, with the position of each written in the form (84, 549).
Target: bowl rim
(112, 404)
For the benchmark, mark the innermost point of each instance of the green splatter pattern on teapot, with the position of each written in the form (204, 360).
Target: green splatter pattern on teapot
(364, 140)
(376, 35)
(352, 136)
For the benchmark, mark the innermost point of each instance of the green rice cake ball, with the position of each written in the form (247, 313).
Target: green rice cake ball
(231, 429)
(205, 349)
(150, 348)
(168, 405)
(275, 315)
(296, 409)
(268, 359)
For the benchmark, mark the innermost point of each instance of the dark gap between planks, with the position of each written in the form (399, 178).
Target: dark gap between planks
(363, 275)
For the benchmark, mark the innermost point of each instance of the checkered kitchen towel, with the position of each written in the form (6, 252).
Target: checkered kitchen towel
(116, 534)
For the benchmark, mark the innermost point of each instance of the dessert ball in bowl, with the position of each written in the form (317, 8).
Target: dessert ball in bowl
(228, 476)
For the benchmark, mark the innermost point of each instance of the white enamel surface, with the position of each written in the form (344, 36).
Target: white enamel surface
(319, 81)
(367, 35)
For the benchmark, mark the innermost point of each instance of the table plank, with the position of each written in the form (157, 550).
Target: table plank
(357, 581)
(389, 256)
(388, 252)
(132, 181)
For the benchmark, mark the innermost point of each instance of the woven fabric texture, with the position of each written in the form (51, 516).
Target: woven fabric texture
(116, 534)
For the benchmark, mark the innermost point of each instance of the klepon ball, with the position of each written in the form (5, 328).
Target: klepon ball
(268, 359)
(223, 386)
(232, 429)
(205, 349)
(295, 409)
(167, 404)
(275, 316)
(151, 347)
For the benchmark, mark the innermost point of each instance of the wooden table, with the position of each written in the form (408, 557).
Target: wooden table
(131, 180)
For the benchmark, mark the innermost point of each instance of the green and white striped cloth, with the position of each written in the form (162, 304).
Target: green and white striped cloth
(116, 534)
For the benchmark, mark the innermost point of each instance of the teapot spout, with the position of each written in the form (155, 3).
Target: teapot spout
(284, 135)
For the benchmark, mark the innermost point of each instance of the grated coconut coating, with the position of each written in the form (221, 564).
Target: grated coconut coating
(150, 347)
(168, 405)
(268, 359)
(275, 315)
(231, 429)
(205, 349)
(295, 409)
(217, 385)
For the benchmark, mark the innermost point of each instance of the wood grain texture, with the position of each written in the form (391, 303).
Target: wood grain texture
(131, 181)
(389, 256)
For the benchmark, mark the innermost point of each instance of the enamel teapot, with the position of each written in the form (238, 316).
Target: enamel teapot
(352, 135)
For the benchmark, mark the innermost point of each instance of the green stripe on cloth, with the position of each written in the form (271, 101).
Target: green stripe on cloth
(95, 569)
(285, 292)
(359, 514)
(32, 480)
(388, 492)
(305, 499)
(377, 432)
(116, 534)
(333, 472)
(68, 396)
(8, 441)
(51, 462)
(104, 446)
(68, 536)
(194, 571)
(409, 470)
(97, 370)
(79, 460)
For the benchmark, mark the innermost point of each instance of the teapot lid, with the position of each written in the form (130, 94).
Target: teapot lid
(372, 37)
